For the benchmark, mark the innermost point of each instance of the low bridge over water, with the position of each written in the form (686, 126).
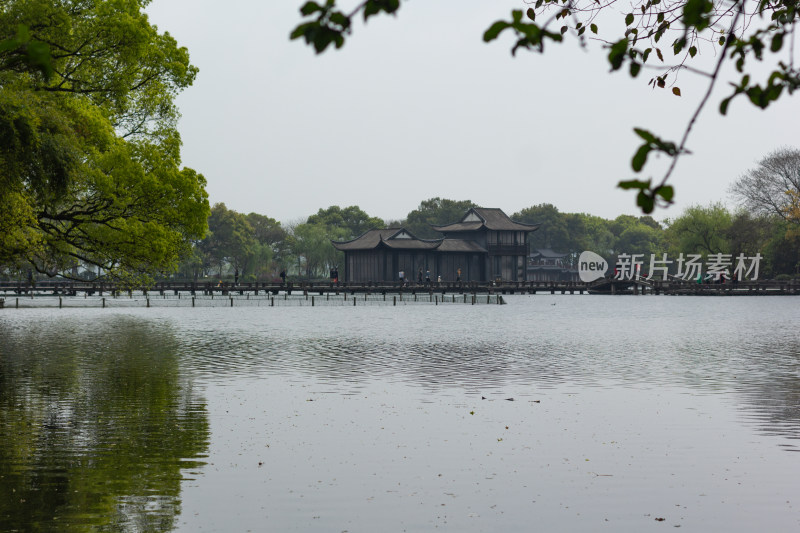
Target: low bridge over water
(602, 286)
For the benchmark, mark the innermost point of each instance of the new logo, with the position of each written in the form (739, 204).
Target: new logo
(591, 267)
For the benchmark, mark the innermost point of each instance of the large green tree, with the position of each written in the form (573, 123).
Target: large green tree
(700, 230)
(667, 38)
(436, 212)
(552, 232)
(269, 247)
(313, 249)
(90, 155)
(230, 239)
(352, 220)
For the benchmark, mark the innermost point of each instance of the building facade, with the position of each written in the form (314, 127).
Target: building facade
(485, 245)
(546, 265)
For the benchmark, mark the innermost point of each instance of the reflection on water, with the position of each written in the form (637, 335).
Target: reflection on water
(362, 416)
(98, 425)
(749, 347)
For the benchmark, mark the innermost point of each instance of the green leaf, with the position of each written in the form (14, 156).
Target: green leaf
(616, 55)
(666, 192)
(303, 29)
(340, 19)
(634, 184)
(494, 30)
(676, 91)
(629, 19)
(640, 158)
(777, 42)
(646, 202)
(531, 14)
(39, 56)
(593, 28)
(723, 106)
(309, 8)
(695, 13)
(693, 51)
(645, 135)
(8, 44)
(635, 68)
(23, 33)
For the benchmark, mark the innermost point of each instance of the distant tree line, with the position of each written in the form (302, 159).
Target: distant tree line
(255, 247)
(767, 221)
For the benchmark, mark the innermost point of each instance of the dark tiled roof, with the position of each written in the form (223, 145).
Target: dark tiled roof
(367, 241)
(375, 237)
(459, 226)
(460, 245)
(412, 244)
(386, 237)
(492, 218)
(548, 253)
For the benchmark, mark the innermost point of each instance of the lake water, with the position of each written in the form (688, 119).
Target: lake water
(551, 413)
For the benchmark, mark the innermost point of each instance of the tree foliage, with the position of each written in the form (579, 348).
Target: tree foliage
(572, 233)
(665, 37)
(701, 230)
(89, 151)
(436, 212)
(351, 220)
(773, 186)
(715, 229)
(251, 245)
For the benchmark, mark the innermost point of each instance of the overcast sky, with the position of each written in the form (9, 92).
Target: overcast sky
(417, 106)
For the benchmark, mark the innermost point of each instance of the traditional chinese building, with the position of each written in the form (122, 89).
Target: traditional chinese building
(546, 265)
(485, 245)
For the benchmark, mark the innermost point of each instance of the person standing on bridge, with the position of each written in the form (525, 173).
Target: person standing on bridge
(283, 276)
(458, 274)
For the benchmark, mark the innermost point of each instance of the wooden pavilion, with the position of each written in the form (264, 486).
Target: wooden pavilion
(485, 245)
